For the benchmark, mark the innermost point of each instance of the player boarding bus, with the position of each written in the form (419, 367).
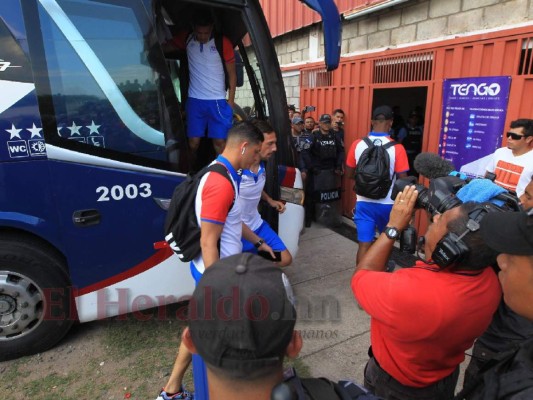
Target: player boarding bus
(92, 145)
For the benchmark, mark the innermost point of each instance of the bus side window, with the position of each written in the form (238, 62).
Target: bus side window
(104, 93)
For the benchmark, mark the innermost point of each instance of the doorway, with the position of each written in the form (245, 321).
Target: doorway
(409, 106)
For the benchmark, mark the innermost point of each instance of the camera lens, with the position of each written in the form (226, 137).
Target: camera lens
(441, 194)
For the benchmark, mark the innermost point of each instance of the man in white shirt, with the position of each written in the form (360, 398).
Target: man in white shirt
(209, 67)
(513, 165)
(251, 192)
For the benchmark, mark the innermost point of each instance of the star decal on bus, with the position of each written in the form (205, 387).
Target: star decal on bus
(74, 129)
(14, 132)
(35, 132)
(93, 128)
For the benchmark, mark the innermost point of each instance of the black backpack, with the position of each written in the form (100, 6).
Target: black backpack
(182, 232)
(294, 387)
(372, 172)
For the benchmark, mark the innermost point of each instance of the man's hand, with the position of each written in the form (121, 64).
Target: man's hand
(402, 210)
(278, 205)
(267, 248)
(249, 235)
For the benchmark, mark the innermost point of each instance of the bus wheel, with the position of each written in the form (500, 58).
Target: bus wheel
(35, 299)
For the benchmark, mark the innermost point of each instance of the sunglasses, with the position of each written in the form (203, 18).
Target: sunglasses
(514, 136)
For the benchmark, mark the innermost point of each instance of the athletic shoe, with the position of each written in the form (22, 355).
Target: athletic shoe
(182, 394)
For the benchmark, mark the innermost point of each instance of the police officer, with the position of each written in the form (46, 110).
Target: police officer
(322, 162)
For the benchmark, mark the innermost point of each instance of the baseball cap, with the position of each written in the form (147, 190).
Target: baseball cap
(509, 232)
(384, 111)
(325, 118)
(297, 120)
(242, 313)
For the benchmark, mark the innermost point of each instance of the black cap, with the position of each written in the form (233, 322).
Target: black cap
(325, 118)
(383, 111)
(509, 232)
(242, 313)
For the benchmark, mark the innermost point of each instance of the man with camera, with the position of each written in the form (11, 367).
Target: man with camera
(423, 318)
(509, 375)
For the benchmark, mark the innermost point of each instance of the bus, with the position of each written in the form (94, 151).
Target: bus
(92, 145)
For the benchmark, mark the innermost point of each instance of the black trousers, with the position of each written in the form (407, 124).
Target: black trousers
(382, 384)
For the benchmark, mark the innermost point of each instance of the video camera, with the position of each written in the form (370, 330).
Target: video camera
(438, 198)
(308, 109)
(445, 182)
(441, 195)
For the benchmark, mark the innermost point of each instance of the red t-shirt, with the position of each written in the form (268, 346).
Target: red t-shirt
(422, 321)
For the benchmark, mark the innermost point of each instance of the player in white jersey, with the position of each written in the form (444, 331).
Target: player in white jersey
(251, 191)
(209, 66)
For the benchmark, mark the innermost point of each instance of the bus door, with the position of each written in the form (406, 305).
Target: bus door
(105, 104)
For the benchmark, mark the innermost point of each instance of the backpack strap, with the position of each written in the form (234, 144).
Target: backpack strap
(368, 142)
(222, 170)
(219, 44)
(390, 144)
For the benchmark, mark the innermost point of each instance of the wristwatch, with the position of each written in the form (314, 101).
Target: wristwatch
(391, 232)
(259, 243)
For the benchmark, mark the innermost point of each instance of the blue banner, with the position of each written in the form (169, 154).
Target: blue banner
(473, 121)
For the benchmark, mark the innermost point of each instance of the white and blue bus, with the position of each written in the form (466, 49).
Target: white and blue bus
(92, 144)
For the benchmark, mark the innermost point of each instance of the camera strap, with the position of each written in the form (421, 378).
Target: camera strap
(291, 379)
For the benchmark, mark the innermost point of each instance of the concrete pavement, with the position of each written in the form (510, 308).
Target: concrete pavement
(336, 332)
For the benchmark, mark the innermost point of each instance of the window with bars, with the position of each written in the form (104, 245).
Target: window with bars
(405, 68)
(314, 78)
(526, 57)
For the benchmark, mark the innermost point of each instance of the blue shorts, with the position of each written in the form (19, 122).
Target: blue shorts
(270, 237)
(214, 115)
(368, 217)
(196, 275)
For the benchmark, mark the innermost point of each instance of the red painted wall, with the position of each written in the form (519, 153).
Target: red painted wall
(288, 15)
(490, 54)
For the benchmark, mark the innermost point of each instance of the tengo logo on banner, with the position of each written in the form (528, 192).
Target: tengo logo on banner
(482, 89)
